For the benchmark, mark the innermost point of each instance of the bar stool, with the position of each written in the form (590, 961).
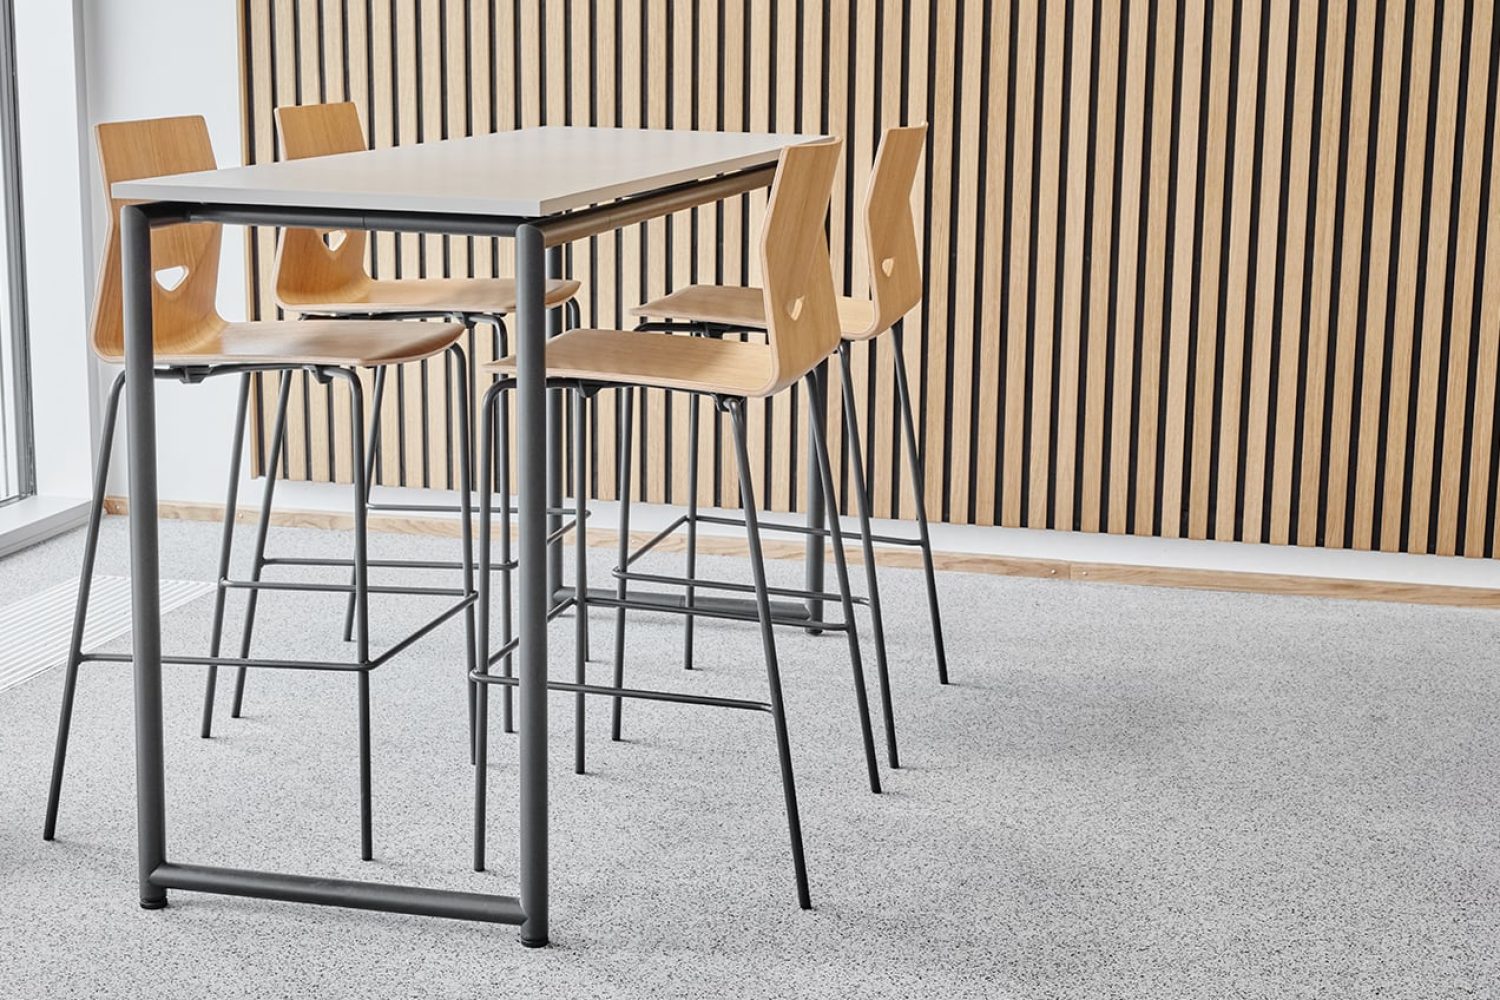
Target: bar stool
(321, 274)
(802, 331)
(193, 342)
(896, 288)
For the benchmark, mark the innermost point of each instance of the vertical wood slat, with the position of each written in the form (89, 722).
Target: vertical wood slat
(1247, 378)
(1434, 326)
(1021, 153)
(1131, 354)
(991, 367)
(1159, 206)
(1183, 191)
(1099, 264)
(1363, 66)
(1223, 269)
(1046, 228)
(1301, 134)
(1487, 319)
(1458, 312)
(1072, 272)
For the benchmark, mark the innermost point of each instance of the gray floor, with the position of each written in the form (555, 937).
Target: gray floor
(1127, 793)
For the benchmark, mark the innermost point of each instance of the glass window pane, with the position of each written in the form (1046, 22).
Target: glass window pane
(16, 472)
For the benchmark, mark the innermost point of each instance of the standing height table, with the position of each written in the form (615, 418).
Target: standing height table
(541, 187)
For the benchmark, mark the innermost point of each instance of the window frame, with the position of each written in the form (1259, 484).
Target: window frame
(16, 417)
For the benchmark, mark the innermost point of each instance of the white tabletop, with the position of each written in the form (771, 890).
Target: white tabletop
(527, 173)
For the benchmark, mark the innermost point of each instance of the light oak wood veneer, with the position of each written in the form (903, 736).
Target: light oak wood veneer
(1225, 270)
(323, 271)
(188, 329)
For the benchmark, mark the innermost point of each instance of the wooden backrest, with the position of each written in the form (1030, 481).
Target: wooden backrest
(890, 229)
(802, 322)
(311, 264)
(185, 258)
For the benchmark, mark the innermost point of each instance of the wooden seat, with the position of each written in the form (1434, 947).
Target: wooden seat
(324, 271)
(334, 343)
(412, 295)
(802, 327)
(801, 331)
(187, 328)
(742, 307)
(895, 275)
(892, 251)
(723, 367)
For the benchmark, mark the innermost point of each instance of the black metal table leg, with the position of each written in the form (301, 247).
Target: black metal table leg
(536, 594)
(145, 569)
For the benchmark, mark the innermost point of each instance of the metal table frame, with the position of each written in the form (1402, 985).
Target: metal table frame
(538, 242)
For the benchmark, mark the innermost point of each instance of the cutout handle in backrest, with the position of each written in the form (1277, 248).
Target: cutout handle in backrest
(169, 278)
(891, 229)
(189, 253)
(319, 265)
(801, 308)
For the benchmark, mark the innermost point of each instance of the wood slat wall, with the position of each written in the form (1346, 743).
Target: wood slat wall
(1207, 269)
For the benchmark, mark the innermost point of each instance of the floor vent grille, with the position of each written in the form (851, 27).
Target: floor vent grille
(34, 632)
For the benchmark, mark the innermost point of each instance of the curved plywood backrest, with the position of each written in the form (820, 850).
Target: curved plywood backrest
(320, 265)
(185, 258)
(802, 323)
(890, 229)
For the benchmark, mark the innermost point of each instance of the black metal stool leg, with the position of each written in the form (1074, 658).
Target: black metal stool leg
(226, 544)
(573, 320)
(872, 578)
(369, 467)
(692, 530)
(736, 408)
(498, 454)
(466, 526)
(361, 606)
(580, 577)
(366, 837)
(627, 414)
(81, 607)
(258, 565)
(818, 398)
(918, 488)
(502, 450)
(482, 624)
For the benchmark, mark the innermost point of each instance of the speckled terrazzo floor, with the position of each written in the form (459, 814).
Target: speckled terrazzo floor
(1127, 793)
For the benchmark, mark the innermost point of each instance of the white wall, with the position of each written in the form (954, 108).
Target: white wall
(146, 59)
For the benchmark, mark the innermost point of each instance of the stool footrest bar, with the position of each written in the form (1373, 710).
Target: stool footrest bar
(431, 624)
(254, 663)
(733, 587)
(639, 694)
(340, 892)
(798, 529)
(340, 588)
(657, 600)
(563, 603)
(495, 567)
(726, 609)
(657, 538)
(396, 507)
